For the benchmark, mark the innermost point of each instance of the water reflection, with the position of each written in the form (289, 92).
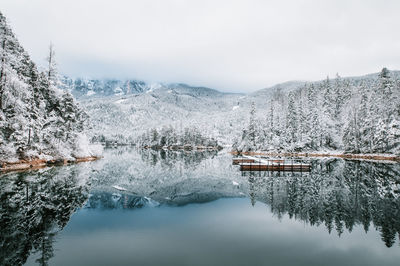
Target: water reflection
(336, 194)
(170, 177)
(34, 207)
(339, 194)
(106, 201)
(169, 159)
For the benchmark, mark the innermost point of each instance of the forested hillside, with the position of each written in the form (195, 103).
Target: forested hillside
(355, 115)
(37, 119)
(125, 118)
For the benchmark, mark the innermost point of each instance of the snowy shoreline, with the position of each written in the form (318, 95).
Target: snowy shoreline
(372, 157)
(23, 165)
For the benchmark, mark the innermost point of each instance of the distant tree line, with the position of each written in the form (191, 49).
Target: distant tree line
(189, 138)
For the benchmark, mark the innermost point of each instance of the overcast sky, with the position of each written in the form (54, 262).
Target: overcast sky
(224, 44)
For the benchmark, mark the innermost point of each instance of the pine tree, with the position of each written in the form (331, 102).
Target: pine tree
(252, 126)
(302, 122)
(68, 111)
(269, 129)
(4, 41)
(52, 65)
(292, 120)
(382, 95)
(314, 136)
(339, 97)
(365, 124)
(328, 100)
(351, 138)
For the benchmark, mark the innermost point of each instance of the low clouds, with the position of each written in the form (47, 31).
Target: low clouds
(229, 45)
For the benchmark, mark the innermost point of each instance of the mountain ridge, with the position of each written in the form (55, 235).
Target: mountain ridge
(85, 88)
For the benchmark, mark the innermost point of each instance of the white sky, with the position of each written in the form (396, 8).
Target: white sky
(229, 45)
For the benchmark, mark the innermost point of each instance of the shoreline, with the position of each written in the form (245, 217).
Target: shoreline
(372, 157)
(23, 165)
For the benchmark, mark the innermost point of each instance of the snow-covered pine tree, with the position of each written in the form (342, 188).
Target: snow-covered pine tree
(302, 122)
(248, 140)
(292, 121)
(382, 96)
(365, 125)
(269, 127)
(389, 126)
(313, 118)
(51, 65)
(3, 61)
(351, 137)
(252, 126)
(328, 98)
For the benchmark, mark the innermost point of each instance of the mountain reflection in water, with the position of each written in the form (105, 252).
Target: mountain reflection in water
(338, 194)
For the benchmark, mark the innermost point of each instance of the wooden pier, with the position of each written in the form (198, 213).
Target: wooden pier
(237, 161)
(275, 167)
(249, 163)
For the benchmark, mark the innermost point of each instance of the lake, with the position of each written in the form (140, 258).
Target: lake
(144, 207)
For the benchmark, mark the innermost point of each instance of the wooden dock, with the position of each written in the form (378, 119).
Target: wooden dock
(236, 161)
(275, 167)
(249, 163)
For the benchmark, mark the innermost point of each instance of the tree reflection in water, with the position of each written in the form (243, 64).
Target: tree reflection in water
(169, 158)
(34, 207)
(339, 194)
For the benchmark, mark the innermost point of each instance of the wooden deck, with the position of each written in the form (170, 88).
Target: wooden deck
(237, 161)
(275, 167)
(250, 163)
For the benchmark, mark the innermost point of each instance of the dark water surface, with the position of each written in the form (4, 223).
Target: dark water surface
(174, 208)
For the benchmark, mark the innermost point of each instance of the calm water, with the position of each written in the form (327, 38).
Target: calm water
(156, 208)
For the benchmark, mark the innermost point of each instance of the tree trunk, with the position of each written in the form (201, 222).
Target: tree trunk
(29, 137)
(3, 60)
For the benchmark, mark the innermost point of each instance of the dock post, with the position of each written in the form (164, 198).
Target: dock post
(292, 165)
(301, 168)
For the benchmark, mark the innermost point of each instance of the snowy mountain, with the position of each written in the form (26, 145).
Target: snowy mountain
(123, 118)
(92, 88)
(85, 88)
